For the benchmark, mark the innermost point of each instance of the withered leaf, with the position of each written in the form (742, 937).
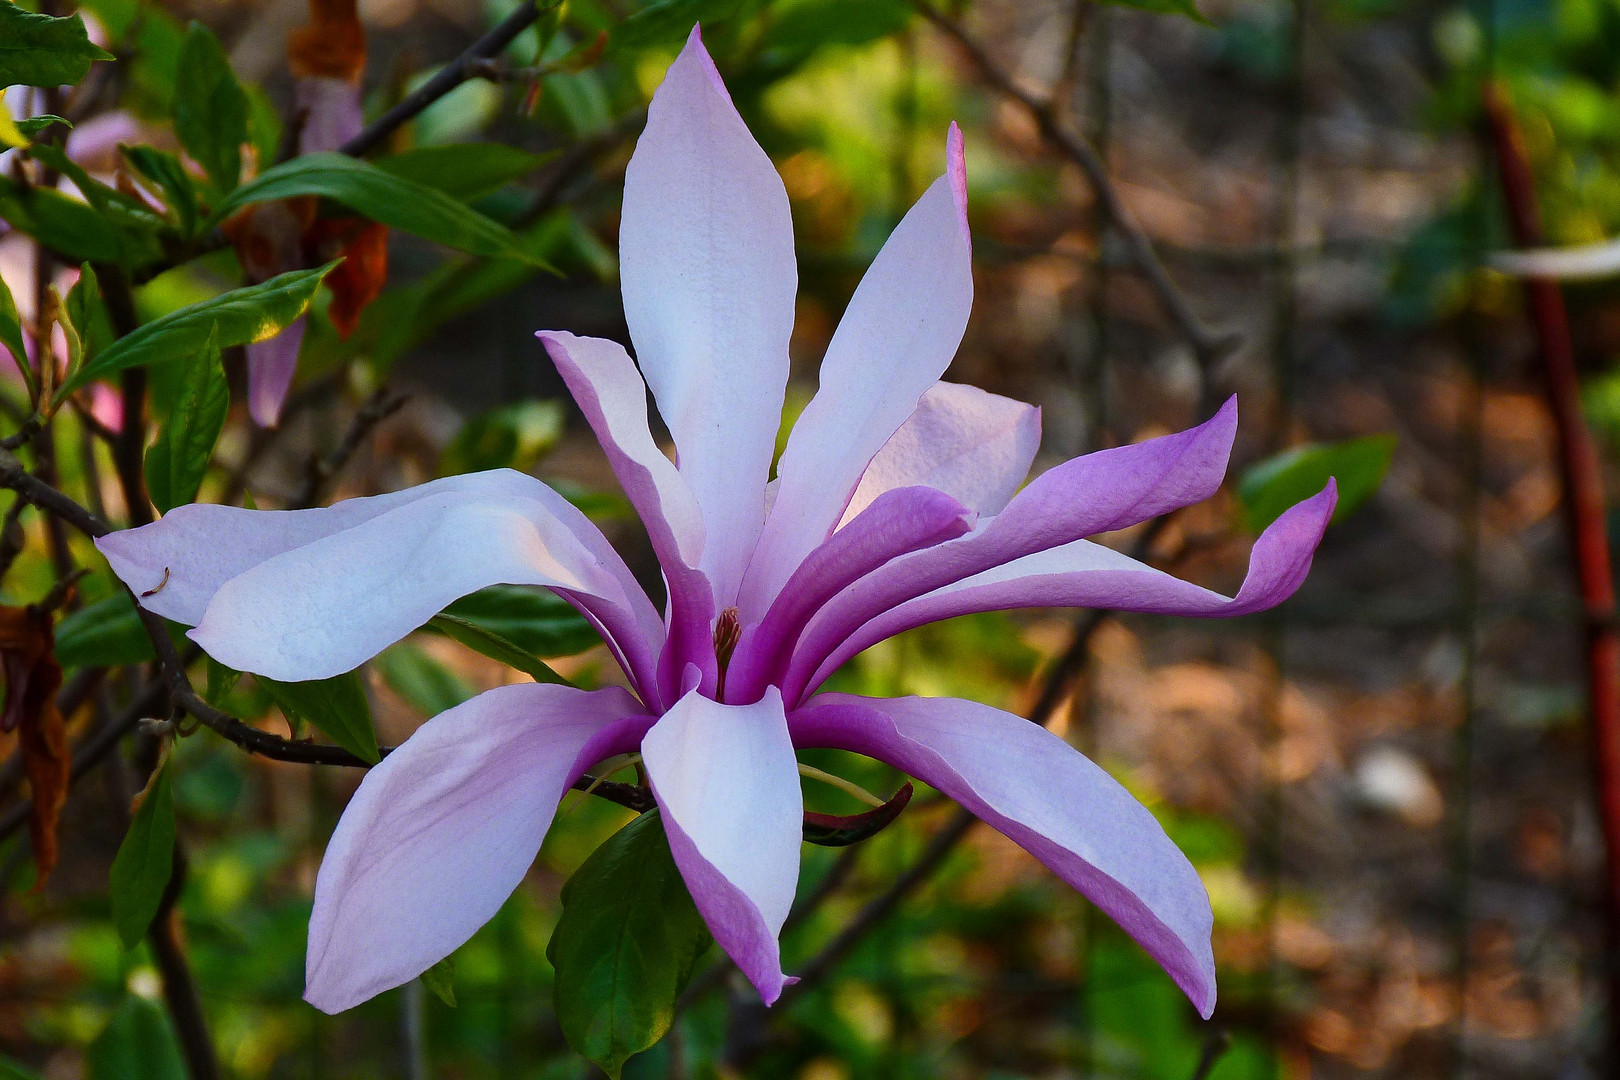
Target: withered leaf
(33, 676)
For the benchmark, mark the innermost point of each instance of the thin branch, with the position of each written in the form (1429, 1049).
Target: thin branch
(449, 77)
(1210, 345)
(48, 498)
(129, 444)
(179, 987)
(378, 407)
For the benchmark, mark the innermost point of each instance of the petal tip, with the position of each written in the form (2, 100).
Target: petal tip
(956, 169)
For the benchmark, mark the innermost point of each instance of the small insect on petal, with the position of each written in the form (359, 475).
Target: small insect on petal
(159, 587)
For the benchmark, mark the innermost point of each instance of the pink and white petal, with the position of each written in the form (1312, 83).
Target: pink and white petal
(332, 113)
(439, 834)
(897, 522)
(271, 366)
(974, 446)
(185, 559)
(1086, 574)
(706, 262)
(1097, 493)
(1049, 798)
(611, 394)
(897, 336)
(727, 784)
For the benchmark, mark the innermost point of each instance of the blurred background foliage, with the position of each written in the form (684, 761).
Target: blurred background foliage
(1383, 786)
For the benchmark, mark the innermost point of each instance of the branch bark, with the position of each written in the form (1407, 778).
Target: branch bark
(1585, 510)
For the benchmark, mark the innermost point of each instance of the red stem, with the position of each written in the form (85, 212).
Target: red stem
(1584, 504)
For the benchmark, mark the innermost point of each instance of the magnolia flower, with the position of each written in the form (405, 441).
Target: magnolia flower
(897, 502)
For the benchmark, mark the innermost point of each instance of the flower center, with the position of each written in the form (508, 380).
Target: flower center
(727, 629)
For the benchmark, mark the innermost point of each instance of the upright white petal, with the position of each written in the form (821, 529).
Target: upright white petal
(706, 260)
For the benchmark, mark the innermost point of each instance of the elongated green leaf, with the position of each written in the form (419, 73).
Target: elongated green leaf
(210, 109)
(239, 317)
(165, 170)
(463, 171)
(34, 125)
(1272, 486)
(88, 313)
(1164, 7)
(145, 860)
(221, 681)
(382, 196)
(11, 327)
(114, 206)
(37, 50)
(426, 685)
(73, 229)
(10, 1070)
(441, 979)
(136, 1044)
(537, 621)
(103, 634)
(494, 646)
(178, 461)
(337, 706)
(624, 946)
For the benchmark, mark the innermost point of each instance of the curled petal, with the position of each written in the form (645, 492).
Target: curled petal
(1085, 574)
(896, 338)
(271, 365)
(974, 446)
(610, 392)
(897, 522)
(1100, 492)
(310, 591)
(439, 834)
(1050, 799)
(706, 260)
(727, 781)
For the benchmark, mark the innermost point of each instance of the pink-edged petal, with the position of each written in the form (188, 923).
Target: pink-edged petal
(271, 365)
(610, 392)
(1097, 493)
(973, 445)
(706, 261)
(331, 113)
(1049, 798)
(897, 522)
(897, 336)
(727, 784)
(195, 551)
(439, 834)
(1086, 574)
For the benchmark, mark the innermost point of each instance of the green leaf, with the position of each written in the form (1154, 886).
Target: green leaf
(662, 22)
(464, 171)
(37, 50)
(165, 170)
(337, 706)
(1271, 486)
(537, 621)
(441, 979)
(239, 317)
(178, 460)
(136, 1044)
(10, 1070)
(145, 860)
(624, 946)
(494, 646)
(88, 313)
(506, 437)
(1164, 7)
(210, 109)
(221, 681)
(11, 327)
(32, 126)
(426, 685)
(381, 196)
(103, 634)
(74, 229)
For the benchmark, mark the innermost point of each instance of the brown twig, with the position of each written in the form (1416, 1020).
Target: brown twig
(1584, 507)
(382, 404)
(179, 987)
(449, 77)
(1210, 345)
(129, 445)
